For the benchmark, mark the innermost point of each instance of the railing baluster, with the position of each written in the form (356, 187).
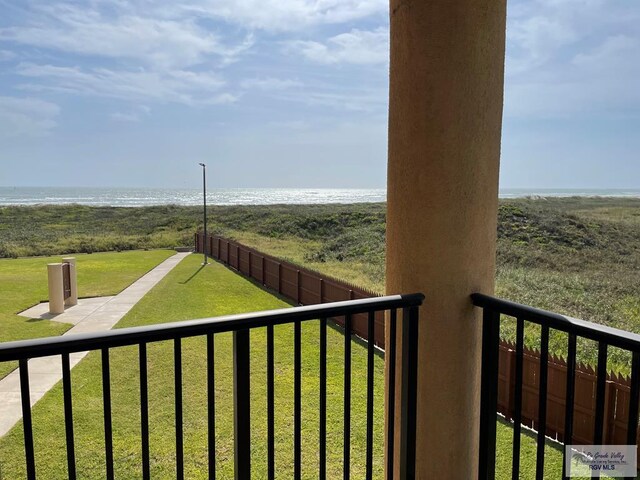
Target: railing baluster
(27, 426)
(370, 359)
(489, 393)
(144, 411)
(106, 405)
(542, 401)
(517, 414)
(177, 357)
(323, 399)
(601, 383)
(68, 416)
(240, 325)
(347, 398)
(390, 358)
(271, 454)
(634, 397)
(297, 404)
(569, 399)
(211, 406)
(408, 418)
(242, 405)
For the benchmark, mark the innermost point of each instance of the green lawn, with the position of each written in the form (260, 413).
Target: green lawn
(23, 283)
(191, 292)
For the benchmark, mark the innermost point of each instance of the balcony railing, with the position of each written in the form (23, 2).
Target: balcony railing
(241, 325)
(493, 309)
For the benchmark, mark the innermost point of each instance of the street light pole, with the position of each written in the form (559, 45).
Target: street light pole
(204, 199)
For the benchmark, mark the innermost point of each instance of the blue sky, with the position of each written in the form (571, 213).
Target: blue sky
(292, 93)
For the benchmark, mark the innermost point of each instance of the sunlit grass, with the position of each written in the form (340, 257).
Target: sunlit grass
(190, 292)
(23, 283)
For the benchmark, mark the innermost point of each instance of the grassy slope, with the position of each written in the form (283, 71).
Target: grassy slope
(580, 257)
(191, 292)
(23, 283)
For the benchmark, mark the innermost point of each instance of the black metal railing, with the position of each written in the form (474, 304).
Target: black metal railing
(605, 337)
(241, 325)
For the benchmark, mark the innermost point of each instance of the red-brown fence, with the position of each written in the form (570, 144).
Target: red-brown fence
(616, 397)
(298, 284)
(305, 287)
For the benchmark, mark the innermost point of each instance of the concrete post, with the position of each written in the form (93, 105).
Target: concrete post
(56, 289)
(73, 299)
(445, 115)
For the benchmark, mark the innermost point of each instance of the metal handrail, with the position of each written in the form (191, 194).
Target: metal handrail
(44, 347)
(493, 308)
(582, 328)
(241, 325)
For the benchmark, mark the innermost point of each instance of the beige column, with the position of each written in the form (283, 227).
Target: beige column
(445, 115)
(56, 289)
(73, 298)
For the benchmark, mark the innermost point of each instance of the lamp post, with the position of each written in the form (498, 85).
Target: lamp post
(204, 200)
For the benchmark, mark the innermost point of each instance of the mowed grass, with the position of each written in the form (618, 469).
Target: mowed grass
(190, 291)
(23, 284)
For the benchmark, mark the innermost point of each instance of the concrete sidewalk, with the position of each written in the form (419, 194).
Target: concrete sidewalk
(45, 372)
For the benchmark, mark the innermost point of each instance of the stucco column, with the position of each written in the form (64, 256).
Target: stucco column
(56, 288)
(73, 274)
(445, 115)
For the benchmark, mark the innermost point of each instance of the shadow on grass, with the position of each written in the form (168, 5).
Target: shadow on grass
(193, 275)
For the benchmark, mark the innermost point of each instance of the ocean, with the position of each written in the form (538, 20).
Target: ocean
(137, 197)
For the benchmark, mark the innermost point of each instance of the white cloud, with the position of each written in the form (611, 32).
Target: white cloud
(363, 99)
(537, 39)
(158, 42)
(285, 15)
(570, 57)
(617, 48)
(178, 86)
(269, 83)
(26, 116)
(360, 47)
(135, 115)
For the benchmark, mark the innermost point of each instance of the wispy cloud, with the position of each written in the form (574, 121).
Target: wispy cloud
(285, 15)
(134, 115)
(6, 55)
(270, 83)
(115, 33)
(178, 86)
(566, 57)
(360, 47)
(26, 116)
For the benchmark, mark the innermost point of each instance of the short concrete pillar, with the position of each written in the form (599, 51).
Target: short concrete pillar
(73, 298)
(445, 113)
(56, 288)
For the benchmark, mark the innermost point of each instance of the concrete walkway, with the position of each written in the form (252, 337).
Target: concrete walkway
(73, 315)
(45, 372)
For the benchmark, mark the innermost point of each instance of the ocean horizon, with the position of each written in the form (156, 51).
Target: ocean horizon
(139, 197)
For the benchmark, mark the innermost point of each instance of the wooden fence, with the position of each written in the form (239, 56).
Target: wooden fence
(306, 287)
(617, 393)
(298, 284)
